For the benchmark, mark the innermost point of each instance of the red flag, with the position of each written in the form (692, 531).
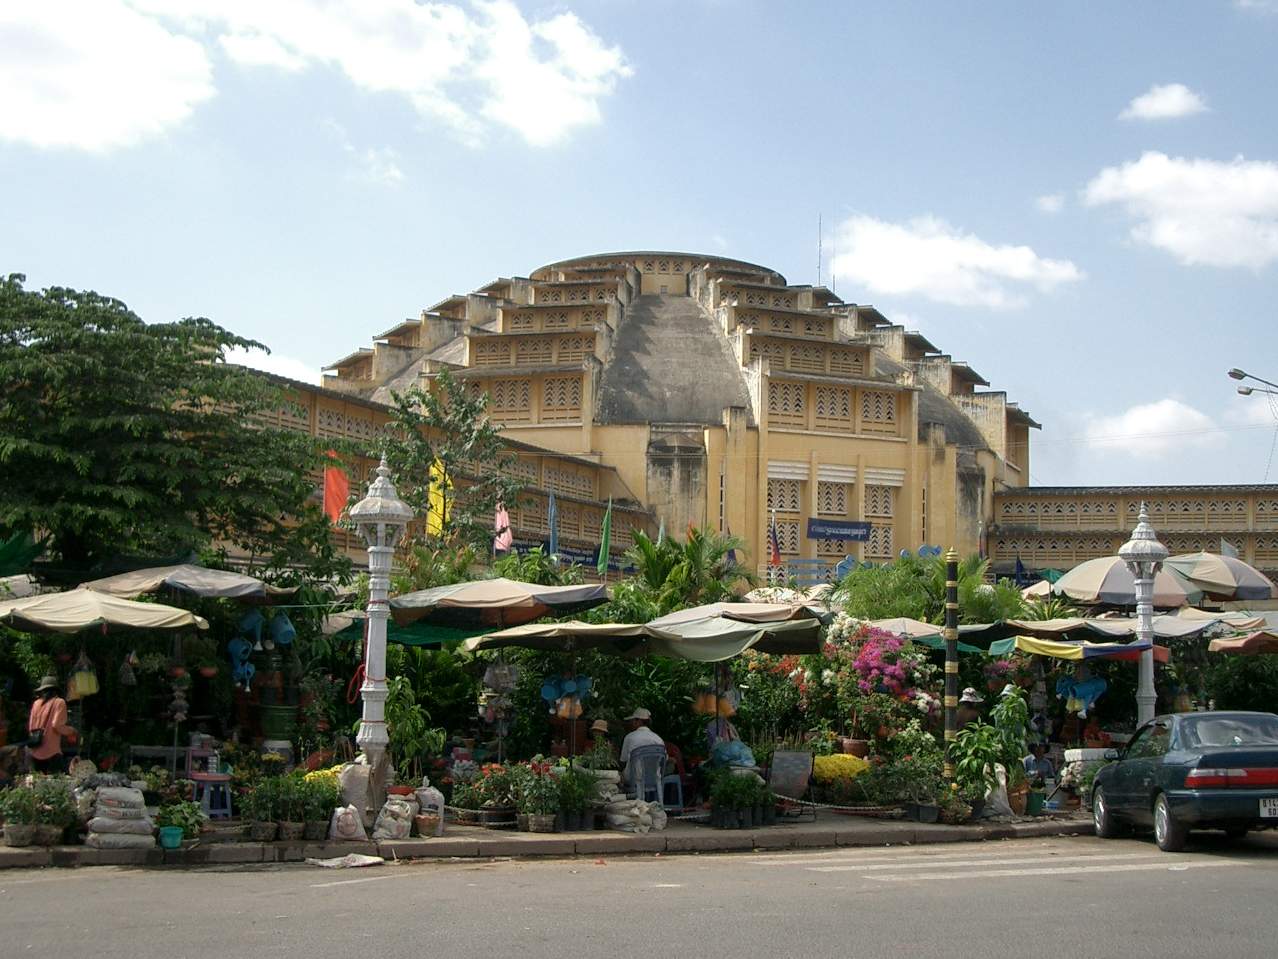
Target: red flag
(337, 490)
(774, 543)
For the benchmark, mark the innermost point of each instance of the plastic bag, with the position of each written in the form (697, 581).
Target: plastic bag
(996, 803)
(353, 779)
(395, 821)
(100, 840)
(347, 825)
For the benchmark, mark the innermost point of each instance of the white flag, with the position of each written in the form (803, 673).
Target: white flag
(1227, 548)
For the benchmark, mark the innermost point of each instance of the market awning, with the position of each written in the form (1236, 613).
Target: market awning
(494, 603)
(717, 638)
(349, 626)
(1165, 627)
(187, 578)
(1255, 644)
(567, 637)
(1107, 580)
(1074, 651)
(79, 609)
(1227, 577)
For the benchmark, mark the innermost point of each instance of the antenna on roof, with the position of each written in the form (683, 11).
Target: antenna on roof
(819, 249)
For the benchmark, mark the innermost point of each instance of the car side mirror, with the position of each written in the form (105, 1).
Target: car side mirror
(1111, 755)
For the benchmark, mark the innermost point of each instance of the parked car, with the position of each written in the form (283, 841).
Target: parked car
(1212, 770)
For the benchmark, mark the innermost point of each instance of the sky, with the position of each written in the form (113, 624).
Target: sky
(1078, 199)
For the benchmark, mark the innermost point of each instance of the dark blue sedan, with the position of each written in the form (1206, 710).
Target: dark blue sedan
(1215, 770)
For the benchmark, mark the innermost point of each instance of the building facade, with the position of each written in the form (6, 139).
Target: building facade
(710, 391)
(1057, 527)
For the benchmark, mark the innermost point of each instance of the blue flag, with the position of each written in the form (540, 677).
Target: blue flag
(552, 518)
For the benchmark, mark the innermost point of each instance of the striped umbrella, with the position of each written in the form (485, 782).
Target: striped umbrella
(1107, 580)
(1225, 577)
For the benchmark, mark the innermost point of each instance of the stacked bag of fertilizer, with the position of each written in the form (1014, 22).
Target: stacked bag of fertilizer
(120, 820)
(632, 815)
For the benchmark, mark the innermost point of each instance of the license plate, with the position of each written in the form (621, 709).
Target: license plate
(1269, 809)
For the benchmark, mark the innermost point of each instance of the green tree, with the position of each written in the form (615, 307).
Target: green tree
(537, 566)
(442, 438)
(915, 587)
(120, 437)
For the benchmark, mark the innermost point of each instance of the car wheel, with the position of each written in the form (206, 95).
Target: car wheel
(1169, 833)
(1236, 832)
(1103, 819)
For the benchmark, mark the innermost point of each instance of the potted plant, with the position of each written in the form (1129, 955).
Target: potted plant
(466, 802)
(733, 799)
(577, 791)
(976, 751)
(291, 808)
(496, 800)
(55, 809)
(321, 796)
(18, 808)
(539, 798)
(178, 821)
(261, 805)
(1011, 719)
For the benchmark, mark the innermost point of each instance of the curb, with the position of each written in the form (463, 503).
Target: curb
(514, 845)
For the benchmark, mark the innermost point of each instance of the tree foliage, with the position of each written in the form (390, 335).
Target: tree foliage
(915, 587)
(442, 439)
(119, 437)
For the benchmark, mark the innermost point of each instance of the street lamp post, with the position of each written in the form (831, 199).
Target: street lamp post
(1144, 556)
(951, 660)
(381, 518)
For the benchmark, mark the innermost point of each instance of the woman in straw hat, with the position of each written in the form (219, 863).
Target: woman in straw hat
(46, 728)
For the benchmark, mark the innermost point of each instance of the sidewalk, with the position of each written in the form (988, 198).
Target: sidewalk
(470, 842)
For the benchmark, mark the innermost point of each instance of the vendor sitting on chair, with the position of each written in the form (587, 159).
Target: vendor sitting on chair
(639, 735)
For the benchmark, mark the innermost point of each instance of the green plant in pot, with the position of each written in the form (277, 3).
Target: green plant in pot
(320, 797)
(291, 808)
(261, 808)
(18, 807)
(539, 798)
(465, 802)
(976, 751)
(577, 791)
(1012, 720)
(55, 809)
(183, 820)
(733, 799)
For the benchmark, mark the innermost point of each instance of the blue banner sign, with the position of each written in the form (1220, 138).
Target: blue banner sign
(838, 529)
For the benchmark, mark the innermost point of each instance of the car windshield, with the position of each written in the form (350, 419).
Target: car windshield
(1231, 731)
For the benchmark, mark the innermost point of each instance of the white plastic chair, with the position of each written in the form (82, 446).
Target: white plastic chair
(645, 769)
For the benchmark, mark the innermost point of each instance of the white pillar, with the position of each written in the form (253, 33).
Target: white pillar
(1144, 554)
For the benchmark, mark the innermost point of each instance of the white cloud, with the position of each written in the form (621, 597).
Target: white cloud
(927, 257)
(378, 165)
(94, 75)
(1152, 429)
(1203, 212)
(1257, 6)
(1164, 102)
(104, 73)
(294, 369)
(1050, 203)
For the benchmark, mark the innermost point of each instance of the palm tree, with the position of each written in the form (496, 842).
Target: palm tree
(675, 575)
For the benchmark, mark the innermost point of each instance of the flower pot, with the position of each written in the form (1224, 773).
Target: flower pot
(922, 812)
(399, 790)
(572, 821)
(208, 672)
(978, 807)
(263, 831)
(521, 821)
(499, 817)
(316, 831)
(756, 816)
(48, 835)
(170, 837)
(467, 817)
(1017, 799)
(541, 822)
(770, 814)
(19, 834)
(426, 824)
(855, 747)
(291, 831)
(1034, 803)
(177, 672)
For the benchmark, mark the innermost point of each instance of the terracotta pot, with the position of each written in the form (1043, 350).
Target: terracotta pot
(19, 834)
(855, 747)
(1017, 800)
(291, 831)
(399, 790)
(177, 672)
(426, 824)
(208, 672)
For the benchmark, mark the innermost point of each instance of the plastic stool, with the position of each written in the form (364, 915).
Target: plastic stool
(213, 793)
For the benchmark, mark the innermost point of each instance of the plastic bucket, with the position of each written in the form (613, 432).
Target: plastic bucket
(170, 837)
(1034, 803)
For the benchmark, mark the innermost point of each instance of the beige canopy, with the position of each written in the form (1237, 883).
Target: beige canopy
(187, 578)
(1263, 641)
(495, 602)
(1107, 580)
(1227, 577)
(79, 609)
(1040, 590)
(904, 626)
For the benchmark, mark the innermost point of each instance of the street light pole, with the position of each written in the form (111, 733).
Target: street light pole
(381, 518)
(1144, 556)
(951, 660)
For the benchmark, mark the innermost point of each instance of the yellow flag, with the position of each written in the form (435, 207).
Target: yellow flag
(440, 500)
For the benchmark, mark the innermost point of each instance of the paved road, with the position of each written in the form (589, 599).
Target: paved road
(1076, 898)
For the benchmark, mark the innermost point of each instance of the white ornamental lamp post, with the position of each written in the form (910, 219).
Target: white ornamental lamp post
(381, 518)
(1144, 556)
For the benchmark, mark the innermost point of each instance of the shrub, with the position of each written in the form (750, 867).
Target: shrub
(187, 815)
(18, 805)
(577, 790)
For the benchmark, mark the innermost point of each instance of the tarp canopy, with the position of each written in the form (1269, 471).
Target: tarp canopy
(708, 634)
(187, 578)
(1074, 651)
(494, 603)
(915, 630)
(1254, 644)
(1226, 577)
(349, 626)
(17, 553)
(1040, 590)
(1165, 627)
(79, 609)
(1107, 580)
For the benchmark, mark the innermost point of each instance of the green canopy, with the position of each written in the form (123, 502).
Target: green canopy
(938, 642)
(416, 634)
(17, 552)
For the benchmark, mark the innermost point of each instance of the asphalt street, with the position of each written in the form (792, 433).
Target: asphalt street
(1079, 897)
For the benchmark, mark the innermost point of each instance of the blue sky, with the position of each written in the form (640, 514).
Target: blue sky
(1080, 200)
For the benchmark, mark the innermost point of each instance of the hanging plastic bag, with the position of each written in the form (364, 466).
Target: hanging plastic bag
(84, 678)
(126, 675)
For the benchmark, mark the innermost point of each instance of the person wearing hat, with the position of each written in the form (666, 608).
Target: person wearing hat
(46, 728)
(639, 735)
(969, 707)
(599, 738)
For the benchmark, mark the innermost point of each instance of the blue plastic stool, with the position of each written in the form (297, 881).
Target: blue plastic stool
(213, 793)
